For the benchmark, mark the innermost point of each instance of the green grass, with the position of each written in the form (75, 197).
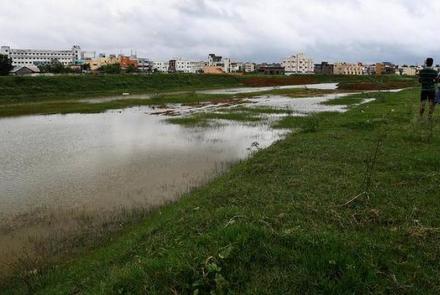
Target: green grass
(277, 223)
(31, 89)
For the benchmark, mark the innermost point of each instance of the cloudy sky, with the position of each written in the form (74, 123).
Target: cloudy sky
(403, 31)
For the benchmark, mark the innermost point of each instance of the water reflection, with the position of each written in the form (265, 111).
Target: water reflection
(111, 159)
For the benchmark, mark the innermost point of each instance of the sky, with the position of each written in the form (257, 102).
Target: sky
(400, 31)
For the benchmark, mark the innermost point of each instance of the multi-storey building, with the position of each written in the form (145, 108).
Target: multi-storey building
(324, 68)
(128, 61)
(343, 68)
(407, 71)
(160, 66)
(102, 60)
(249, 67)
(298, 64)
(179, 65)
(215, 60)
(21, 57)
(145, 65)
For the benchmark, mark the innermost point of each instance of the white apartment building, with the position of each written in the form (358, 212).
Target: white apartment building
(144, 64)
(161, 66)
(407, 71)
(249, 67)
(181, 66)
(22, 57)
(298, 64)
(348, 69)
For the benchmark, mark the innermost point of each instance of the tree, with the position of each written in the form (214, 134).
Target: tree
(55, 67)
(131, 69)
(111, 69)
(5, 65)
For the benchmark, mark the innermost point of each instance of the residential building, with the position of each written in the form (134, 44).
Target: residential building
(160, 66)
(343, 68)
(128, 61)
(21, 57)
(249, 67)
(144, 65)
(25, 70)
(271, 69)
(298, 64)
(407, 71)
(324, 68)
(197, 66)
(88, 55)
(385, 68)
(215, 60)
(101, 61)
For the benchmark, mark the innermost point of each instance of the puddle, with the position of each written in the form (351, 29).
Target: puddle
(321, 86)
(116, 97)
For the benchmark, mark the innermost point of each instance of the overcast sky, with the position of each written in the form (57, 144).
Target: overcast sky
(403, 31)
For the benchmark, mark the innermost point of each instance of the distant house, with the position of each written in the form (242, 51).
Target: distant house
(271, 69)
(324, 68)
(25, 70)
(298, 64)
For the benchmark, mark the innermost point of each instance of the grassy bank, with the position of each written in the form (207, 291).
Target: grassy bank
(58, 88)
(347, 206)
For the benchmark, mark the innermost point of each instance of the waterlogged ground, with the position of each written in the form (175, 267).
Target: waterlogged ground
(61, 170)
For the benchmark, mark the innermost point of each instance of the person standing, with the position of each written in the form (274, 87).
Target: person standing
(428, 77)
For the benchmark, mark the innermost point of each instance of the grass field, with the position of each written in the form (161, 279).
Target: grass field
(349, 204)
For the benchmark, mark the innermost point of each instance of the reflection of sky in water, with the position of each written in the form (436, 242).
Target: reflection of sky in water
(112, 159)
(322, 86)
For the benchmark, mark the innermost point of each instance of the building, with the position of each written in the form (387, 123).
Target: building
(348, 69)
(160, 66)
(144, 65)
(324, 68)
(249, 67)
(25, 70)
(179, 65)
(22, 57)
(88, 55)
(385, 68)
(128, 61)
(215, 60)
(101, 61)
(407, 71)
(298, 64)
(270, 69)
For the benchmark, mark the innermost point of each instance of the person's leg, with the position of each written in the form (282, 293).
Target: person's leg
(431, 107)
(422, 107)
(422, 103)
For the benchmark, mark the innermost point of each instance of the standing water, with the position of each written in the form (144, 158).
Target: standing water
(59, 168)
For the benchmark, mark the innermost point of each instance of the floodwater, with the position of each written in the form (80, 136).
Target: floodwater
(239, 90)
(112, 159)
(54, 168)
